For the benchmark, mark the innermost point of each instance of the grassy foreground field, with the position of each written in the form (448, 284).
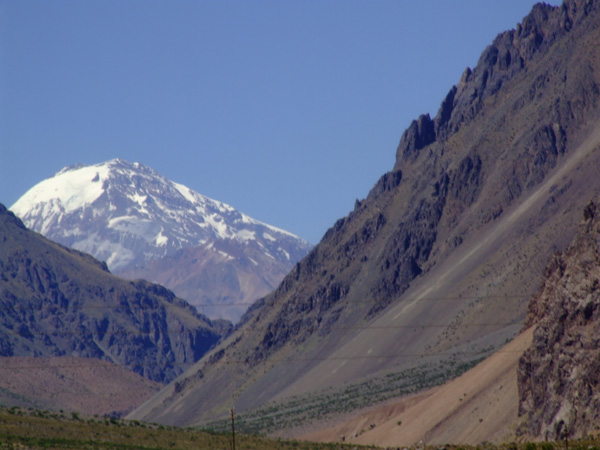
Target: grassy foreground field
(34, 429)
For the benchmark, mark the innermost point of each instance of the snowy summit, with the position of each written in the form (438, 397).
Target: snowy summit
(127, 214)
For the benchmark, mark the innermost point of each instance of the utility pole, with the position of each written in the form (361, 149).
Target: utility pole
(233, 428)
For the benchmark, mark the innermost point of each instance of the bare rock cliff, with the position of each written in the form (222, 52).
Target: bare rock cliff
(510, 54)
(559, 382)
(56, 301)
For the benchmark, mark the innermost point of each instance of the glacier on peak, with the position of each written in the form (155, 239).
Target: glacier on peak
(127, 213)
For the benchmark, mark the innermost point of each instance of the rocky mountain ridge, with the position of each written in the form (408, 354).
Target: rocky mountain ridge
(56, 301)
(509, 54)
(436, 266)
(449, 188)
(144, 225)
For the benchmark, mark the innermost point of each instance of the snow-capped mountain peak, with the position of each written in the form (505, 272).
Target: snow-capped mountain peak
(127, 214)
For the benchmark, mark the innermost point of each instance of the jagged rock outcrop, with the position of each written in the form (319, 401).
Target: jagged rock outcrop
(418, 135)
(510, 54)
(55, 301)
(559, 382)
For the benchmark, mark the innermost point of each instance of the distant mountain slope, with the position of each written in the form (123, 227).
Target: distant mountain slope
(132, 217)
(87, 386)
(55, 301)
(559, 382)
(435, 268)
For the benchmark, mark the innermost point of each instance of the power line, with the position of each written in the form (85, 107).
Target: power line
(367, 357)
(351, 357)
(282, 360)
(63, 332)
(99, 363)
(120, 333)
(226, 305)
(392, 327)
(401, 299)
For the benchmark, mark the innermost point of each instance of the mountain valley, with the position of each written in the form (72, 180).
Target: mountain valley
(436, 267)
(457, 303)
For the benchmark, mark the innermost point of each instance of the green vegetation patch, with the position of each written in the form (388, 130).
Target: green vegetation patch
(302, 410)
(33, 429)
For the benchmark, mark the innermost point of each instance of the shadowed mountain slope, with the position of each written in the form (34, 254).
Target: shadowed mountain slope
(434, 269)
(59, 302)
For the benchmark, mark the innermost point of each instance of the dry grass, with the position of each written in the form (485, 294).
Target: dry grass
(34, 429)
(87, 385)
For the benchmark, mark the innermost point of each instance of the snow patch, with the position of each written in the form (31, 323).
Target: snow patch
(226, 255)
(246, 235)
(219, 226)
(186, 192)
(160, 239)
(67, 191)
(112, 223)
(137, 198)
(268, 237)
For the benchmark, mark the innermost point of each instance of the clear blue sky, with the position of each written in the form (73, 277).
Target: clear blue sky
(287, 110)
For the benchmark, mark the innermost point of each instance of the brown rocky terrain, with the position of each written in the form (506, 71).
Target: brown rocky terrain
(87, 386)
(559, 376)
(543, 385)
(55, 301)
(221, 279)
(434, 269)
(480, 405)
